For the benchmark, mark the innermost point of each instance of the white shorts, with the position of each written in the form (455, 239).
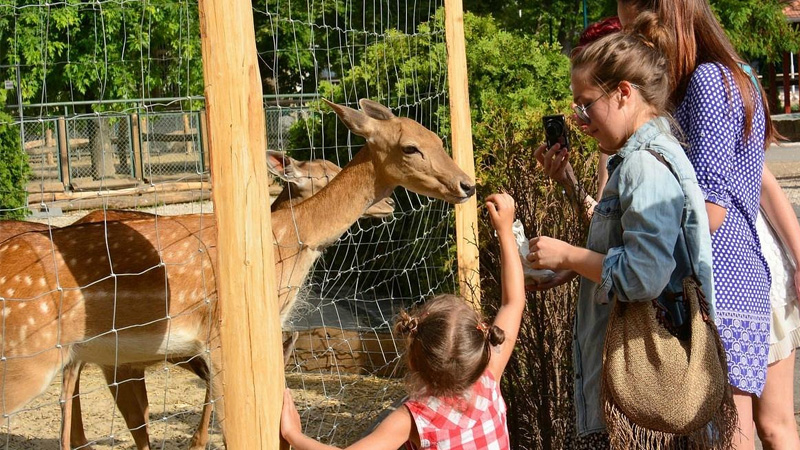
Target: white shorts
(785, 322)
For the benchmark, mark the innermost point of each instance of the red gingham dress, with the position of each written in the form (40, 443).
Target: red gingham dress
(476, 422)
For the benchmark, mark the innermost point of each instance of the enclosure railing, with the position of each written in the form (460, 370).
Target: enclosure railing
(108, 151)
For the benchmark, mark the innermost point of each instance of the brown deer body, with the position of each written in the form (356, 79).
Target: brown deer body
(139, 291)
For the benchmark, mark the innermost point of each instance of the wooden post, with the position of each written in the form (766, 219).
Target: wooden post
(49, 144)
(204, 146)
(63, 153)
(136, 145)
(466, 213)
(787, 83)
(188, 137)
(249, 313)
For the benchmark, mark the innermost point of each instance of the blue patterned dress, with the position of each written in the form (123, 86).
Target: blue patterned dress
(728, 168)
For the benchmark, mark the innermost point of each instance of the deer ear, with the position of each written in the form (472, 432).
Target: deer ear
(279, 164)
(358, 122)
(375, 109)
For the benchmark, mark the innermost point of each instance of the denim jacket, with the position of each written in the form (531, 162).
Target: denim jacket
(637, 225)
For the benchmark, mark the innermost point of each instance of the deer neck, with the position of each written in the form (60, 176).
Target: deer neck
(325, 216)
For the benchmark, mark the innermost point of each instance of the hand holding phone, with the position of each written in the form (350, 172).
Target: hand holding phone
(555, 131)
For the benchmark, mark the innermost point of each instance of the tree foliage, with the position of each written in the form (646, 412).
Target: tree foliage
(76, 50)
(14, 169)
(758, 29)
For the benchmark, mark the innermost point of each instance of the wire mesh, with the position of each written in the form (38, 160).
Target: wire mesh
(138, 278)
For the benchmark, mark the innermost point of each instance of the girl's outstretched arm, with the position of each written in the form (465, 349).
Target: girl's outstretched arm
(391, 434)
(509, 316)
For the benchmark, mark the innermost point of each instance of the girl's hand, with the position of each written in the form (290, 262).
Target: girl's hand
(555, 163)
(501, 211)
(290, 418)
(548, 253)
(562, 276)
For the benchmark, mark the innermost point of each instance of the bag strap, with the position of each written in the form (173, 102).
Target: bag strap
(684, 214)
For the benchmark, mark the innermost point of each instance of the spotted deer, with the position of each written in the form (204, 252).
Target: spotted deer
(138, 291)
(302, 179)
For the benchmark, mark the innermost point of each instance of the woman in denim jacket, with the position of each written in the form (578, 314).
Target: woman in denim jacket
(633, 253)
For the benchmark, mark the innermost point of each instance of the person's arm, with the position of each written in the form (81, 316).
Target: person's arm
(716, 215)
(711, 132)
(391, 434)
(554, 254)
(781, 216)
(555, 164)
(512, 281)
(651, 202)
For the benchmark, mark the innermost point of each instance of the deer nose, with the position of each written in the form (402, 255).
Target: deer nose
(390, 202)
(468, 188)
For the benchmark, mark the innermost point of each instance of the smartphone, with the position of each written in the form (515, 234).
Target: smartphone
(555, 131)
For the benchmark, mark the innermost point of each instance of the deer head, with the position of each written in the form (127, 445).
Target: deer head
(305, 178)
(405, 153)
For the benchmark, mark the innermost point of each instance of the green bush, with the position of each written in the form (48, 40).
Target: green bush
(14, 169)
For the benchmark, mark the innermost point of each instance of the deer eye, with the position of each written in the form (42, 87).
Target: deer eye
(410, 150)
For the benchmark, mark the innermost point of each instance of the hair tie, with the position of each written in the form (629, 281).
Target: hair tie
(483, 327)
(411, 325)
(646, 41)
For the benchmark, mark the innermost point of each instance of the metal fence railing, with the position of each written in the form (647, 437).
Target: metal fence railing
(86, 152)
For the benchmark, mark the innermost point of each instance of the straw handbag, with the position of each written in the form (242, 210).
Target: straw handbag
(660, 390)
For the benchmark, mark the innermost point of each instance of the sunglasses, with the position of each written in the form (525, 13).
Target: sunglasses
(582, 110)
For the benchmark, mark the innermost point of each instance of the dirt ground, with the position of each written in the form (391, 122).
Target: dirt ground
(335, 408)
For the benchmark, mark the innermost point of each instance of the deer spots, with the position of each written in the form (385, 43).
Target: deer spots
(10, 292)
(5, 312)
(44, 308)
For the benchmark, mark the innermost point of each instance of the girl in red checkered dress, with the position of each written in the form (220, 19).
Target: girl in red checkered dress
(455, 361)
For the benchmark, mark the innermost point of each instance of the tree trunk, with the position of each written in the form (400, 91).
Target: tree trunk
(102, 156)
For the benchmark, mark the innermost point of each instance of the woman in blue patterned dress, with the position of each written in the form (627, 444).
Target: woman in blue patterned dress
(726, 126)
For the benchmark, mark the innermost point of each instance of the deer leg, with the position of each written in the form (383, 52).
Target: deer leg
(200, 438)
(77, 436)
(288, 346)
(215, 390)
(72, 433)
(130, 395)
(199, 367)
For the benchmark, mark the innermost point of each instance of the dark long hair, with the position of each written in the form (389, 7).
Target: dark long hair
(699, 38)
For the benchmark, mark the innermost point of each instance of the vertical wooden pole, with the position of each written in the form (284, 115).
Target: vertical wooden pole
(136, 145)
(787, 84)
(248, 304)
(204, 145)
(466, 213)
(63, 153)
